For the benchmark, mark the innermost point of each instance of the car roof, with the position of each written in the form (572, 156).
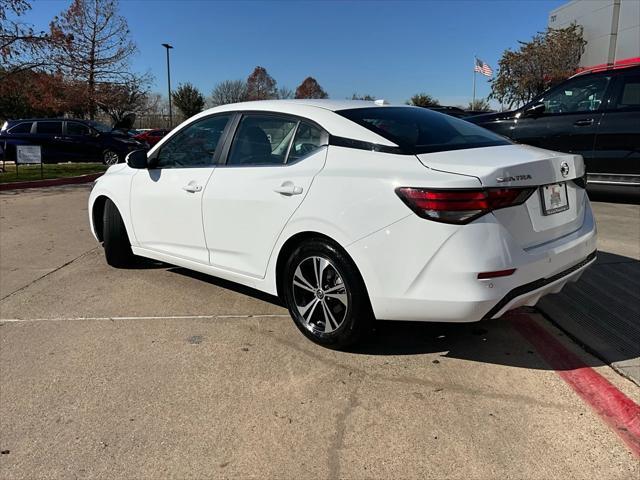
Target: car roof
(47, 120)
(320, 111)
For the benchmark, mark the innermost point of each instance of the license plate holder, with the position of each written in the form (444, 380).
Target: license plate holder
(554, 198)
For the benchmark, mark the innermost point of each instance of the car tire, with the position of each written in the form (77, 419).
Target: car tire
(334, 312)
(117, 247)
(109, 157)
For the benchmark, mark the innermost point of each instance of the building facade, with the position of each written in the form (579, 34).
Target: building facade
(611, 29)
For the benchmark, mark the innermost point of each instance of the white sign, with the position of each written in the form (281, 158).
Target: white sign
(28, 154)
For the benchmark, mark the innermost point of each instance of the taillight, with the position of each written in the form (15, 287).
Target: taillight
(460, 206)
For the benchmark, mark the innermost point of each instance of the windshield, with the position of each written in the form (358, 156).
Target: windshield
(101, 127)
(419, 130)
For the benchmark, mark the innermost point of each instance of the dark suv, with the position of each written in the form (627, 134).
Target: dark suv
(68, 140)
(595, 114)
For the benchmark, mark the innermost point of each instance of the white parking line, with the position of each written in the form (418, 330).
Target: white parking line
(168, 317)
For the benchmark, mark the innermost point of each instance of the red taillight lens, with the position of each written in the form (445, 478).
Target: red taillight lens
(460, 206)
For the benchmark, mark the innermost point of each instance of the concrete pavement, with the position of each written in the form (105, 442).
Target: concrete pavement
(160, 373)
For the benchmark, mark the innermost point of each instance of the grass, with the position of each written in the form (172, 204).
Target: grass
(53, 170)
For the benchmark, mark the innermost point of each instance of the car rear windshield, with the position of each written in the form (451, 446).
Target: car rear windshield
(419, 130)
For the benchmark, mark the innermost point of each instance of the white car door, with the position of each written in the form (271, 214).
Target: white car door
(166, 200)
(269, 168)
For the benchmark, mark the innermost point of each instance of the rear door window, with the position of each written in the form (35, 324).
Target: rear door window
(419, 130)
(629, 97)
(49, 128)
(308, 139)
(261, 140)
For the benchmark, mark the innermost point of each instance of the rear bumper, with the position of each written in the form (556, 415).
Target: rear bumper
(416, 270)
(529, 294)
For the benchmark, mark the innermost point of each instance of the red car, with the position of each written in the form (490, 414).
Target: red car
(152, 136)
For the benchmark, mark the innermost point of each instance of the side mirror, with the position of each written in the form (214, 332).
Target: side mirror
(137, 159)
(535, 110)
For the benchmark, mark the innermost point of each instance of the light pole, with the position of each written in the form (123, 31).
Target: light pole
(167, 46)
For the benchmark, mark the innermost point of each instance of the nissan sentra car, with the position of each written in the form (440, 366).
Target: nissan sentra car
(352, 211)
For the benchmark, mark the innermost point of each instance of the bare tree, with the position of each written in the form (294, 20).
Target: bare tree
(188, 99)
(122, 100)
(21, 48)
(285, 93)
(99, 49)
(228, 91)
(480, 105)
(310, 88)
(355, 96)
(549, 58)
(261, 85)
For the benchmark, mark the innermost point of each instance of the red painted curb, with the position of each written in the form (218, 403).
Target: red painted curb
(620, 412)
(53, 182)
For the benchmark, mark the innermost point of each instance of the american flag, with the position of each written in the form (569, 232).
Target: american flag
(482, 68)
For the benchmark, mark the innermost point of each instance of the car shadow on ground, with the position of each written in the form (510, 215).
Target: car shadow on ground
(489, 341)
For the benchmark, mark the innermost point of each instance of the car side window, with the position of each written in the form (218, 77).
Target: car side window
(579, 95)
(308, 139)
(194, 145)
(49, 128)
(24, 127)
(629, 93)
(261, 140)
(75, 128)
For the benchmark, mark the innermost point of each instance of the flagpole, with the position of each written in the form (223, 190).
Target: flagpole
(474, 83)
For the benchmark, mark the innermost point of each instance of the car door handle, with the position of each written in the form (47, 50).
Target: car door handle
(192, 187)
(288, 189)
(584, 123)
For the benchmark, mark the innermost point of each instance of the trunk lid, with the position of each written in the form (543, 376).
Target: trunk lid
(522, 166)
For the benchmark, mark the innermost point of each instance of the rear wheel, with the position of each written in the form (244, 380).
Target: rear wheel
(117, 247)
(326, 295)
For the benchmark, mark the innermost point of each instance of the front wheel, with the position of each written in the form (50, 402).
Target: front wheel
(117, 247)
(109, 157)
(325, 295)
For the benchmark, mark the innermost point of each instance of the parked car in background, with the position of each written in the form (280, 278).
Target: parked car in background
(595, 114)
(352, 210)
(152, 136)
(68, 140)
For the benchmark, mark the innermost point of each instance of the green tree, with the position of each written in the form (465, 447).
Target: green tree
(261, 85)
(424, 100)
(188, 99)
(549, 58)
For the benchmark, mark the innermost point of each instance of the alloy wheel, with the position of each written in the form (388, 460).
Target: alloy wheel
(320, 295)
(110, 158)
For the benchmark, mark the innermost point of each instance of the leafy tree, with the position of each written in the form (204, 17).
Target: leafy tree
(310, 88)
(285, 93)
(261, 85)
(99, 48)
(424, 100)
(355, 96)
(549, 58)
(229, 91)
(480, 105)
(188, 99)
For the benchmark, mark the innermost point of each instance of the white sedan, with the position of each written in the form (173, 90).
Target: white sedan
(353, 211)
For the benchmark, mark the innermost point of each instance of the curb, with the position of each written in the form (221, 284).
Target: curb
(53, 182)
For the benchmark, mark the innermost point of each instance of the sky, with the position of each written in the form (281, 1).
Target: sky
(388, 49)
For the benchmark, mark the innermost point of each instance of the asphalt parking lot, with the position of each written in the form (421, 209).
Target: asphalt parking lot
(157, 372)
